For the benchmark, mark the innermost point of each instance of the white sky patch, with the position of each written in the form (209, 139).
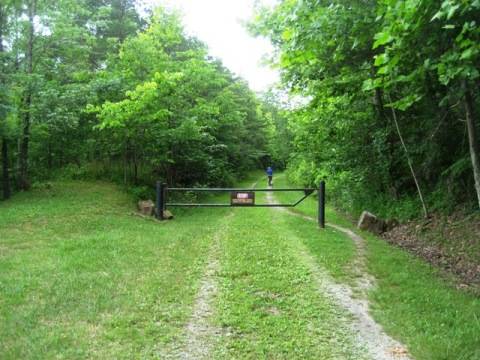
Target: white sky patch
(217, 23)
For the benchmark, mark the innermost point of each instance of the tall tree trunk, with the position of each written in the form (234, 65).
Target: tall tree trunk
(5, 171)
(384, 122)
(125, 168)
(24, 143)
(6, 181)
(380, 107)
(26, 116)
(472, 136)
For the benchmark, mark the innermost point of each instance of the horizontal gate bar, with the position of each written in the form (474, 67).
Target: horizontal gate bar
(162, 190)
(236, 189)
(229, 205)
(307, 192)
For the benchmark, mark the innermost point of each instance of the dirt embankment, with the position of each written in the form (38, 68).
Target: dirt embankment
(451, 244)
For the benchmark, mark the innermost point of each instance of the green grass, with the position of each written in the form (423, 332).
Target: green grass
(413, 301)
(269, 302)
(309, 206)
(417, 304)
(82, 278)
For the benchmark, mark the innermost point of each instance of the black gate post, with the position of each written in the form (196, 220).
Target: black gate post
(160, 200)
(321, 204)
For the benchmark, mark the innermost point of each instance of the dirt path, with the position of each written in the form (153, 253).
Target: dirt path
(198, 337)
(370, 335)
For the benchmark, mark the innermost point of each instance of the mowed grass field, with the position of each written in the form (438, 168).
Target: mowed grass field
(82, 278)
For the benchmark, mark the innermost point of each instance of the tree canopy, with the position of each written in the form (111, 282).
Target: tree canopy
(97, 90)
(393, 98)
(389, 111)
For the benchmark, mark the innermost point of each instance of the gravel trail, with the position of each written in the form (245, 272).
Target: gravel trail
(370, 335)
(198, 337)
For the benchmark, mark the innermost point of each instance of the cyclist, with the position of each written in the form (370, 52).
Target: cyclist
(269, 175)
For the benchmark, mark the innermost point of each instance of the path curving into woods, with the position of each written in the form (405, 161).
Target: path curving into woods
(199, 337)
(353, 298)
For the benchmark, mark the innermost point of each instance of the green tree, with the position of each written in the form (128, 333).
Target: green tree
(460, 62)
(324, 50)
(184, 115)
(8, 9)
(110, 23)
(354, 61)
(52, 54)
(280, 136)
(448, 56)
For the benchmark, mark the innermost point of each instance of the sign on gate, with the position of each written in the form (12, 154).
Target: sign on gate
(238, 198)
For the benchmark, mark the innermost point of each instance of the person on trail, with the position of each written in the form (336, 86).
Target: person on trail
(269, 175)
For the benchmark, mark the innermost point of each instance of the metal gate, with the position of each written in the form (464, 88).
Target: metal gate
(239, 197)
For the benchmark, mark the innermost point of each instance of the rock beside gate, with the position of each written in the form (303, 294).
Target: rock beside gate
(374, 224)
(371, 223)
(147, 207)
(167, 215)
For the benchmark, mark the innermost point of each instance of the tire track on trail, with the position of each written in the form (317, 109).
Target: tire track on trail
(198, 336)
(369, 333)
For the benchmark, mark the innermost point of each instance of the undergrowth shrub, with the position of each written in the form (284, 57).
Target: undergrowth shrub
(351, 194)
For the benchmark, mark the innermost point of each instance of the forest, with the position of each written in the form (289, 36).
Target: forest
(388, 112)
(378, 100)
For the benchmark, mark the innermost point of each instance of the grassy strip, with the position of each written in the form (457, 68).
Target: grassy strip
(333, 250)
(309, 206)
(413, 302)
(81, 278)
(269, 305)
